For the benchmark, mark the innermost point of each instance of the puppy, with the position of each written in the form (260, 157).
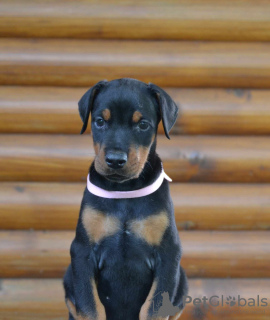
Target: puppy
(126, 253)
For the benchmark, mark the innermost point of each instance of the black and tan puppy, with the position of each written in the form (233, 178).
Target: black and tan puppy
(126, 252)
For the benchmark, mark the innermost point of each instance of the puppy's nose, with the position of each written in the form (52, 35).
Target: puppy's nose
(116, 159)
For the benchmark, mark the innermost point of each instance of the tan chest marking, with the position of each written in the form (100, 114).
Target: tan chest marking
(99, 225)
(151, 229)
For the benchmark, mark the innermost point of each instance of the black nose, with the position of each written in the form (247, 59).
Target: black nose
(116, 159)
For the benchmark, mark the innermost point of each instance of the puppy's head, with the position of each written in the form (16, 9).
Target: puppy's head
(124, 119)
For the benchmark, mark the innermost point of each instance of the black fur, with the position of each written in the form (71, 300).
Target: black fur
(123, 265)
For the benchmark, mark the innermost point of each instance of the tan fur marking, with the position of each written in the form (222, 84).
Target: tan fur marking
(98, 225)
(176, 316)
(152, 228)
(148, 302)
(96, 148)
(100, 163)
(133, 157)
(101, 314)
(71, 308)
(73, 312)
(100, 310)
(137, 158)
(106, 114)
(143, 154)
(136, 116)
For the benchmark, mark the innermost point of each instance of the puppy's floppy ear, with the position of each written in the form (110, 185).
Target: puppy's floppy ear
(168, 108)
(86, 103)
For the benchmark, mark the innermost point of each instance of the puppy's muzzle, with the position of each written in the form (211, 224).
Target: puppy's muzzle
(116, 159)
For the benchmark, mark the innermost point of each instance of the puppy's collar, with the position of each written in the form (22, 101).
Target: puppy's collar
(127, 194)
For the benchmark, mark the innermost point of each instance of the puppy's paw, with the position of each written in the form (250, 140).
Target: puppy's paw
(100, 310)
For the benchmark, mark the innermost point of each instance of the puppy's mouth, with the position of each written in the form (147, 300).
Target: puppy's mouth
(116, 177)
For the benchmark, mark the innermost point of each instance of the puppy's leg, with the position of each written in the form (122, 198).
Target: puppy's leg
(69, 292)
(84, 270)
(182, 291)
(177, 316)
(72, 310)
(167, 275)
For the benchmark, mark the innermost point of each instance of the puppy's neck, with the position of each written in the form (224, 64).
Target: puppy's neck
(149, 174)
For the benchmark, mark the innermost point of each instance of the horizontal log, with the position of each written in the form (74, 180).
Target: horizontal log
(40, 206)
(40, 109)
(169, 63)
(205, 253)
(55, 206)
(196, 20)
(44, 299)
(202, 158)
(32, 299)
(202, 111)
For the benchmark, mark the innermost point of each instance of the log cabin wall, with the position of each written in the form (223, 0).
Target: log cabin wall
(213, 57)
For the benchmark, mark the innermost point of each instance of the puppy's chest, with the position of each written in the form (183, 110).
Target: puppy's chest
(100, 225)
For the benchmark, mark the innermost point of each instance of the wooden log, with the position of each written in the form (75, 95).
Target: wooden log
(32, 299)
(217, 111)
(169, 63)
(55, 206)
(196, 20)
(44, 299)
(221, 206)
(205, 253)
(34, 254)
(202, 111)
(40, 109)
(63, 158)
(40, 206)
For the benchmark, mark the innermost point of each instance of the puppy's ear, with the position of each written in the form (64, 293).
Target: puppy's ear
(86, 103)
(168, 108)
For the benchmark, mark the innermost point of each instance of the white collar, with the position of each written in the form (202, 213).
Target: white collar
(97, 191)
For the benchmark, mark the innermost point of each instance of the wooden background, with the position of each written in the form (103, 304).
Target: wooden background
(213, 57)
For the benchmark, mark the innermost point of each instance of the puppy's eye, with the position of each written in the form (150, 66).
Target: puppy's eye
(143, 125)
(100, 122)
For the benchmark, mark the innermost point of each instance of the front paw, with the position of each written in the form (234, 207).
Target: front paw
(144, 314)
(100, 312)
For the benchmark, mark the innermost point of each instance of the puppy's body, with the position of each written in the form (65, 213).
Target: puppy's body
(126, 251)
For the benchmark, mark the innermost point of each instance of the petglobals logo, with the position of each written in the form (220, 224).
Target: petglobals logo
(231, 301)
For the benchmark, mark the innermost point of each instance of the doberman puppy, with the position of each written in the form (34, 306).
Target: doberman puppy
(126, 251)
